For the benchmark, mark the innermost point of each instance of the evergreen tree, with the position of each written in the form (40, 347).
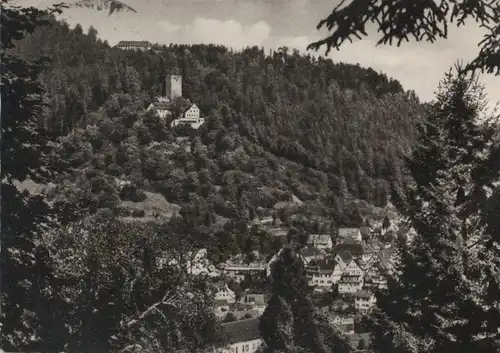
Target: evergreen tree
(386, 223)
(444, 296)
(290, 322)
(27, 323)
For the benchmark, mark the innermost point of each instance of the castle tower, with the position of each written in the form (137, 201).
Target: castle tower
(173, 86)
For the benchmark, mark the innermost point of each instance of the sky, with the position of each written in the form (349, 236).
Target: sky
(276, 23)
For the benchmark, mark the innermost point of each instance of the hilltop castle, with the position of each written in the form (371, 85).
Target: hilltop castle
(163, 105)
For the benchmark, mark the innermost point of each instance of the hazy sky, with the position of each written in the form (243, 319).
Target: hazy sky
(275, 23)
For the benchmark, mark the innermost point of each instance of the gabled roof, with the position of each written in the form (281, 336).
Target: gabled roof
(349, 241)
(345, 256)
(241, 331)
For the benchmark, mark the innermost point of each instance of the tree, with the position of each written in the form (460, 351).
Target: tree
(386, 223)
(25, 266)
(445, 294)
(398, 20)
(230, 317)
(119, 284)
(361, 345)
(290, 322)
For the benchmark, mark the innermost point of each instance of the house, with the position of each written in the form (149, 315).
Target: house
(238, 270)
(224, 293)
(322, 274)
(375, 278)
(350, 284)
(267, 220)
(134, 45)
(191, 116)
(350, 245)
(359, 341)
(242, 336)
(353, 269)
(343, 323)
(353, 233)
(312, 253)
(364, 301)
(343, 258)
(321, 241)
(161, 106)
(257, 301)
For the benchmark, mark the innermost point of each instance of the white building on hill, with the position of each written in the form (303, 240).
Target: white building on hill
(163, 106)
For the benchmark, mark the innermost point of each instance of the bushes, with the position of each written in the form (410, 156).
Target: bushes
(131, 193)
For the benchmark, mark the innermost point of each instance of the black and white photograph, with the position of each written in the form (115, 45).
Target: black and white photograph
(250, 176)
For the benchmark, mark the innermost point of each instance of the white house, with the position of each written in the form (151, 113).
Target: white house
(224, 293)
(353, 269)
(350, 284)
(321, 241)
(191, 116)
(364, 301)
(134, 45)
(322, 274)
(353, 233)
(242, 336)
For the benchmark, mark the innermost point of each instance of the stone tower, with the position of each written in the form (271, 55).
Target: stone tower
(173, 86)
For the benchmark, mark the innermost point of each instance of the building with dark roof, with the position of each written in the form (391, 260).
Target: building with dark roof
(312, 253)
(242, 336)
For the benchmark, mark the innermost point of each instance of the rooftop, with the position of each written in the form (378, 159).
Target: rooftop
(354, 249)
(133, 43)
(241, 331)
(345, 256)
(323, 264)
(348, 232)
(312, 251)
(363, 294)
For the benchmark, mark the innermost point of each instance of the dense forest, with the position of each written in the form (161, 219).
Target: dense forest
(299, 125)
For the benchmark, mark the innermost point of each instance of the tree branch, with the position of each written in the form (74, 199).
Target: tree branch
(165, 301)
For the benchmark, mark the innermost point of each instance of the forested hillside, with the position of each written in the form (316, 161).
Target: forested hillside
(283, 128)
